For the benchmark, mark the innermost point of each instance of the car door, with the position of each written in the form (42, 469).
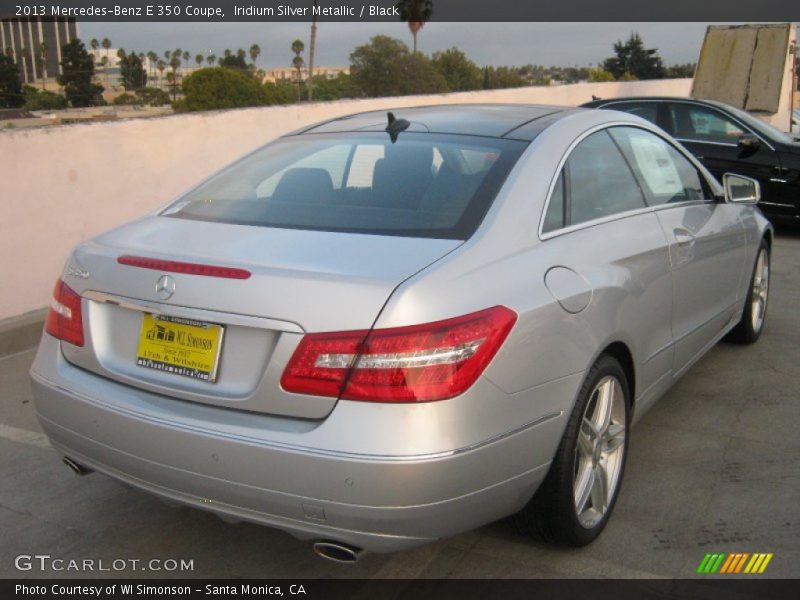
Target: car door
(706, 240)
(713, 137)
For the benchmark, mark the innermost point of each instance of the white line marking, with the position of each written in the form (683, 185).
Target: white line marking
(23, 436)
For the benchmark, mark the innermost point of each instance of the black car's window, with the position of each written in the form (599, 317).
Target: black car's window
(423, 185)
(597, 182)
(645, 110)
(701, 124)
(666, 175)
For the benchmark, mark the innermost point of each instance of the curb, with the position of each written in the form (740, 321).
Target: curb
(21, 332)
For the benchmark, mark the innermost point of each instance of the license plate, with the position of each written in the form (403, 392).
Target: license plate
(180, 346)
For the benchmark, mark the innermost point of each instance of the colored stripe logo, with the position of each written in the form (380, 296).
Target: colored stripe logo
(735, 562)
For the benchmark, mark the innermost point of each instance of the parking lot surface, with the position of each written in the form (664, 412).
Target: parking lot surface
(714, 467)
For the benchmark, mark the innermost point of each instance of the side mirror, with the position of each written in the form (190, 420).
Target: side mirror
(740, 189)
(748, 145)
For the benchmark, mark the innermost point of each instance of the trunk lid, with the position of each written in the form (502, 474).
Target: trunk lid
(301, 281)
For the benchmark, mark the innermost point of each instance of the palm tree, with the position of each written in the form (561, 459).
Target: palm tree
(199, 60)
(186, 57)
(152, 57)
(175, 63)
(43, 61)
(227, 52)
(211, 59)
(161, 65)
(121, 53)
(311, 48)
(104, 63)
(297, 62)
(106, 43)
(416, 13)
(255, 50)
(94, 44)
(167, 54)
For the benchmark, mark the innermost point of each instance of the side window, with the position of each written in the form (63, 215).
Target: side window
(596, 182)
(646, 110)
(600, 182)
(554, 219)
(666, 175)
(701, 124)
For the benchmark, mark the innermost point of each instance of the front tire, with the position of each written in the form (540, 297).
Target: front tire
(749, 328)
(577, 497)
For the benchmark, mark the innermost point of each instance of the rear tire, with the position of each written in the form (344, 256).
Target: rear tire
(754, 314)
(578, 495)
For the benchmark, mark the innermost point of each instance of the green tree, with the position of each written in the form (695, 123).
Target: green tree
(94, 44)
(459, 71)
(335, 88)
(211, 59)
(234, 61)
(42, 60)
(11, 95)
(633, 58)
(77, 71)
(298, 63)
(161, 66)
(43, 100)
(186, 57)
(255, 51)
(679, 71)
(174, 63)
(501, 77)
(199, 60)
(386, 67)
(416, 13)
(132, 72)
(217, 88)
(153, 58)
(599, 74)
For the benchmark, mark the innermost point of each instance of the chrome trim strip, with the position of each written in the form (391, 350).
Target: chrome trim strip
(289, 447)
(197, 314)
(777, 204)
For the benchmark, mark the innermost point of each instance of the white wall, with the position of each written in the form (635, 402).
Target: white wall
(61, 185)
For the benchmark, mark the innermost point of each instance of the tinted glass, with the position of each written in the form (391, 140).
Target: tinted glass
(554, 219)
(646, 110)
(701, 124)
(667, 175)
(423, 185)
(600, 182)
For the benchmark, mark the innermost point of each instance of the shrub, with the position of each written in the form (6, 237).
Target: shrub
(216, 88)
(36, 99)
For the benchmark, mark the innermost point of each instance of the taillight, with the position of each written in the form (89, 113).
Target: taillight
(419, 363)
(64, 320)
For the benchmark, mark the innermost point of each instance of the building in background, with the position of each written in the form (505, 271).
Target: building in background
(22, 37)
(290, 74)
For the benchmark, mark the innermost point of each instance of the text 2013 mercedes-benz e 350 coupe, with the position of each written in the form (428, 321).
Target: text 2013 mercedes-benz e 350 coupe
(380, 331)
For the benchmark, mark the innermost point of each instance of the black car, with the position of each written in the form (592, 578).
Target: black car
(727, 139)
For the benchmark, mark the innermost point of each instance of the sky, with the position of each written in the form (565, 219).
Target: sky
(560, 44)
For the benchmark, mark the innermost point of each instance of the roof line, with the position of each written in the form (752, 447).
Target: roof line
(536, 118)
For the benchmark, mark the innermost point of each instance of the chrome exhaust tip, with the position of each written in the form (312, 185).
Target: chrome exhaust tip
(337, 551)
(76, 467)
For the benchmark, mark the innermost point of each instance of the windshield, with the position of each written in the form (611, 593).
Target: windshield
(762, 127)
(423, 185)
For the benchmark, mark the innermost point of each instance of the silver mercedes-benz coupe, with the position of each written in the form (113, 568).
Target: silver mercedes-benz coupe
(387, 329)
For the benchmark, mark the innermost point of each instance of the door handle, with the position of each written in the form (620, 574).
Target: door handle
(683, 237)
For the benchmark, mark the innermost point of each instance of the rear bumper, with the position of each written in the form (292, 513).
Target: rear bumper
(252, 467)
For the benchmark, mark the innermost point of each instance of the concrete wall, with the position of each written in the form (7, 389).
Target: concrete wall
(61, 185)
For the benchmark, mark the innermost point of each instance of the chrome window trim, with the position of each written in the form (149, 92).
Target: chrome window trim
(625, 214)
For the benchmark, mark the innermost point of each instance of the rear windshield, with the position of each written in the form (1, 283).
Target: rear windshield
(423, 185)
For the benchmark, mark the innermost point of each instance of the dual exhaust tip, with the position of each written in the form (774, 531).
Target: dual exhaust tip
(76, 467)
(335, 551)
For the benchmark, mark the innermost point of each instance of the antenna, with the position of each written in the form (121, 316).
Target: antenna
(395, 126)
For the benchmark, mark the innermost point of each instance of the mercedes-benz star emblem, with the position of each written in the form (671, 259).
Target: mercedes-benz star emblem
(165, 287)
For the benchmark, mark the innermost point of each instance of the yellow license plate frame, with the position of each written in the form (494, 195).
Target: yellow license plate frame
(180, 346)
